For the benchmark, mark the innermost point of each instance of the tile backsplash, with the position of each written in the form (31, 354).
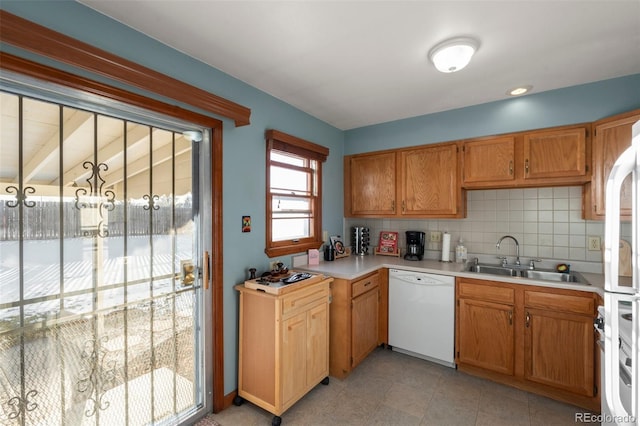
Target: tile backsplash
(546, 222)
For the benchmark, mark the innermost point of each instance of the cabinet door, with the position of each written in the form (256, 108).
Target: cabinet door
(559, 350)
(294, 357)
(364, 325)
(318, 344)
(486, 335)
(372, 184)
(555, 154)
(429, 182)
(610, 140)
(489, 161)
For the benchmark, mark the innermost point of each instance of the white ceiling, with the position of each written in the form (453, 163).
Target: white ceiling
(356, 63)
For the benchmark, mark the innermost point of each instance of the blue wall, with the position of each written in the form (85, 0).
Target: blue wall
(577, 104)
(244, 148)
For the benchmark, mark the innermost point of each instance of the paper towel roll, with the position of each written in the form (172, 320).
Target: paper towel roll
(446, 246)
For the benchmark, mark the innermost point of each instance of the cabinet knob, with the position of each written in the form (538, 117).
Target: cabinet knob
(511, 167)
(526, 166)
(527, 320)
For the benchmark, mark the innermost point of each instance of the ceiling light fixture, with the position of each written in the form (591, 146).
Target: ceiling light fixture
(454, 54)
(517, 91)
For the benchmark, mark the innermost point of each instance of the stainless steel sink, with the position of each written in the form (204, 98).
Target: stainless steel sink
(493, 269)
(572, 277)
(534, 274)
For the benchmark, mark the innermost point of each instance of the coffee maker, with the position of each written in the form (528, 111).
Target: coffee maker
(415, 245)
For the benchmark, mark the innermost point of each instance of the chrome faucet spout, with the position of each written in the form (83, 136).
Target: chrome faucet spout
(517, 246)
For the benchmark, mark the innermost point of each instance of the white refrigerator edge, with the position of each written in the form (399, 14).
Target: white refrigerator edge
(628, 163)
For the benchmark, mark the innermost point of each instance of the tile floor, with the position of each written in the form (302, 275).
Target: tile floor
(390, 388)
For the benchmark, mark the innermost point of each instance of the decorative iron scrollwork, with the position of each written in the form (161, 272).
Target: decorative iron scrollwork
(21, 197)
(96, 199)
(19, 405)
(96, 376)
(152, 202)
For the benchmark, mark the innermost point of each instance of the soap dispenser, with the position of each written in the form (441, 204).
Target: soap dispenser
(461, 252)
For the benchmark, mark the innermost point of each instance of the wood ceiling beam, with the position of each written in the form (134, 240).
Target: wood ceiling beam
(51, 148)
(106, 154)
(142, 165)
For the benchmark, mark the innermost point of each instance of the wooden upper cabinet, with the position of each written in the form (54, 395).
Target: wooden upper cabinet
(429, 182)
(489, 160)
(416, 182)
(611, 137)
(550, 157)
(370, 184)
(555, 154)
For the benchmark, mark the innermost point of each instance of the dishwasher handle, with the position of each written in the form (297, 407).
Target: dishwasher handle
(422, 279)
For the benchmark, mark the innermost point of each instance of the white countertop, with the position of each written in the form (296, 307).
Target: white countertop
(353, 267)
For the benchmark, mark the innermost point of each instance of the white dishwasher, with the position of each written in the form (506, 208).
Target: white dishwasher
(422, 315)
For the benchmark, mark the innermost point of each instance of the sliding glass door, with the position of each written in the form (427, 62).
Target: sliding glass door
(101, 302)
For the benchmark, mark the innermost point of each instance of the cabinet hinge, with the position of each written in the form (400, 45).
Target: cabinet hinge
(595, 390)
(458, 302)
(458, 354)
(586, 167)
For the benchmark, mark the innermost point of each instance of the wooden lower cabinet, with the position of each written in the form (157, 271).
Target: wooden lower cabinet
(486, 335)
(283, 345)
(559, 350)
(355, 321)
(535, 338)
(364, 324)
(560, 340)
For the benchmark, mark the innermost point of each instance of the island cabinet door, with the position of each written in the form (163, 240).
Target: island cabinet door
(559, 350)
(294, 360)
(317, 344)
(486, 335)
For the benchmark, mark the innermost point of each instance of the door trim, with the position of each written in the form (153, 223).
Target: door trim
(43, 72)
(35, 38)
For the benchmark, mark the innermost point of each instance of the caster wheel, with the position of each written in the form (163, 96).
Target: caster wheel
(276, 421)
(238, 401)
(325, 381)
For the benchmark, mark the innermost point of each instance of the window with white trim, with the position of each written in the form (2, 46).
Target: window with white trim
(294, 194)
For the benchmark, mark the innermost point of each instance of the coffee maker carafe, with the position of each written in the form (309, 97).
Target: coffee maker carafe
(415, 245)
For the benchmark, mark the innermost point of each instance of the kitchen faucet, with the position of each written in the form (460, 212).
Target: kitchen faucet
(517, 247)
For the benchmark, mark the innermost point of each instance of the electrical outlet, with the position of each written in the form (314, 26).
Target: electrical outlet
(435, 237)
(593, 243)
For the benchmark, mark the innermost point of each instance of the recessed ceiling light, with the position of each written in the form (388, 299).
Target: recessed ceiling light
(517, 91)
(454, 54)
